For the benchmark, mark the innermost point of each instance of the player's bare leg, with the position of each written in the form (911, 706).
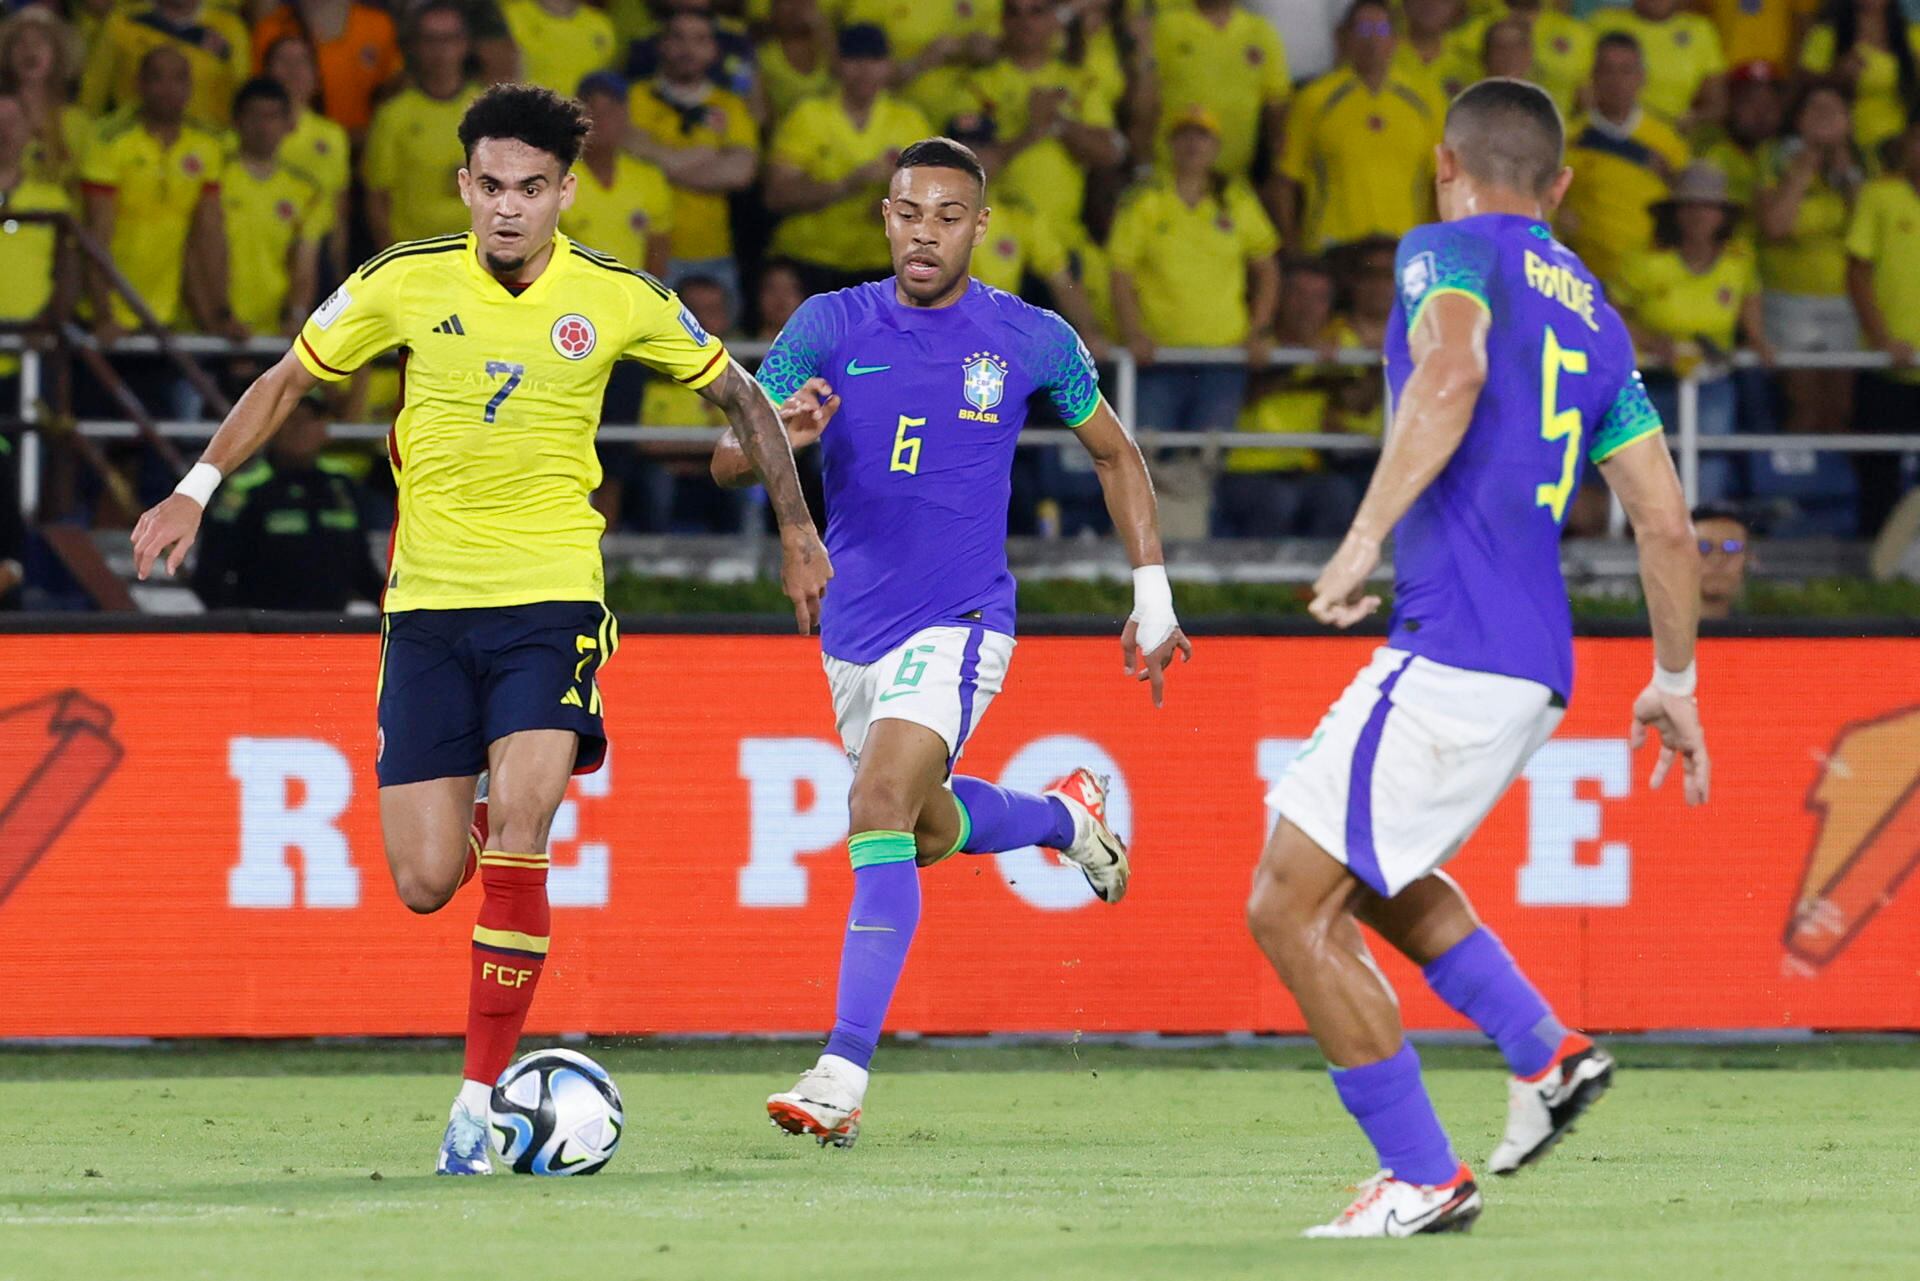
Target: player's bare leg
(902, 768)
(1301, 913)
(977, 817)
(426, 827)
(1557, 1074)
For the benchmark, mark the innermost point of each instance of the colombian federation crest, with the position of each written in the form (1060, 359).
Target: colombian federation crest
(573, 336)
(985, 381)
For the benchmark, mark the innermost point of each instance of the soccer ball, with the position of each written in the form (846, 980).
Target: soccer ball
(555, 1112)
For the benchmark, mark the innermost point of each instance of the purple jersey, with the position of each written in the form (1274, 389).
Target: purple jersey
(1477, 579)
(918, 460)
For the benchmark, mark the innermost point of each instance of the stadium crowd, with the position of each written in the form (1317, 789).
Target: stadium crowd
(1165, 173)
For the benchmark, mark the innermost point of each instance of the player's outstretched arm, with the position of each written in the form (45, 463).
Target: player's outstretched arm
(804, 414)
(1641, 475)
(1152, 634)
(167, 530)
(804, 569)
(1449, 349)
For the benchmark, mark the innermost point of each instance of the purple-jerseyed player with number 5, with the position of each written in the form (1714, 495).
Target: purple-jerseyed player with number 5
(926, 378)
(1509, 371)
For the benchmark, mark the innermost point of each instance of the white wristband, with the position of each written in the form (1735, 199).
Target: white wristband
(1680, 683)
(200, 483)
(1152, 607)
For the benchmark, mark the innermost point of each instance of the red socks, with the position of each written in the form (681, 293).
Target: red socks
(509, 947)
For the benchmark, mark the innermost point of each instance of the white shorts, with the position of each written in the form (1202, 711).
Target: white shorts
(1408, 761)
(940, 677)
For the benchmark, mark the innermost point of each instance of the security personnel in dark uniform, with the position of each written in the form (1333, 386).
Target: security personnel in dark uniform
(284, 532)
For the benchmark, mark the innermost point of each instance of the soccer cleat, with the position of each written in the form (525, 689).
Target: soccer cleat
(1096, 850)
(1541, 1112)
(1390, 1207)
(463, 1150)
(821, 1104)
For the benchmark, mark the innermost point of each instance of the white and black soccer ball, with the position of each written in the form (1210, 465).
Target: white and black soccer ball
(555, 1112)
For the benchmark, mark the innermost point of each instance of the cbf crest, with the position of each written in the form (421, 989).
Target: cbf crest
(984, 384)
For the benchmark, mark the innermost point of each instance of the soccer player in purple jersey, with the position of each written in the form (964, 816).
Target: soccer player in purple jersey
(1509, 370)
(926, 378)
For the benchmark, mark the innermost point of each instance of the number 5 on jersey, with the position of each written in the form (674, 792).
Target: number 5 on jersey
(1557, 423)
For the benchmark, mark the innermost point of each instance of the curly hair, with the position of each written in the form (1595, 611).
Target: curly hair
(538, 117)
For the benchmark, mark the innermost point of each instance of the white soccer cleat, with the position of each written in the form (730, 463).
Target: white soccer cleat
(822, 1103)
(1096, 850)
(1390, 1207)
(1541, 1113)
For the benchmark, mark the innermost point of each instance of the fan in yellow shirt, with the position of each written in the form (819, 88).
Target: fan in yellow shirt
(1435, 50)
(1686, 68)
(316, 145)
(28, 248)
(274, 215)
(830, 162)
(1622, 160)
(1883, 276)
(937, 42)
(1881, 82)
(1761, 30)
(1358, 160)
(214, 42)
(413, 144)
(796, 56)
(1219, 56)
(561, 42)
(621, 206)
(1562, 48)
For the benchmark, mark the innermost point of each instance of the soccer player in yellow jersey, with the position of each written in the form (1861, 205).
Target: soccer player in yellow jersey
(274, 217)
(512, 330)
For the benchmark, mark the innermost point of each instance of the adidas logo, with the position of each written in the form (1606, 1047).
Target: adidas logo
(451, 325)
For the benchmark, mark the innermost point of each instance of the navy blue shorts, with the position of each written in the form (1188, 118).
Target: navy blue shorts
(454, 680)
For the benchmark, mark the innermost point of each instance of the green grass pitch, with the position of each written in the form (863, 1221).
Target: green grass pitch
(984, 1163)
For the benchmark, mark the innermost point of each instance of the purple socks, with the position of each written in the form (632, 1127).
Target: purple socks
(1390, 1102)
(995, 819)
(880, 925)
(1477, 977)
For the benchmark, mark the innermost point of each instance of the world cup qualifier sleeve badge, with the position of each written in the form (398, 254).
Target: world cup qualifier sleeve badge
(984, 384)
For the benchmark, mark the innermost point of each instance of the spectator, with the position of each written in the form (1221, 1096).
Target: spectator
(413, 157)
(1686, 69)
(212, 40)
(1193, 266)
(1436, 50)
(782, 290)
(28, 248)
(285, 530)
(1768, 32)
(1507, 50)
(830, 162)
(1623, 158)
(1755, 111)
(274, 216)
(796, 56)
(38, 58)
(1217, 55)
(1054, 123)
(355, 48)
(1286, 492)
(1883, 277)
(621, 206)
(938, 45)
(688, 502)
(734, 62)
(1808, 184)
(1364, 276)
(1688, 300)
(1725, 540)
(495, 58)
(561, 42)
(1359, 155)
(317, 146)
(702, 137)
(1562, 50)
(151, 182)
(1870, 47)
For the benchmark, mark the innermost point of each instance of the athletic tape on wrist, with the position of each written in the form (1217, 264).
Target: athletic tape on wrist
(199, 483)
(1681, 682)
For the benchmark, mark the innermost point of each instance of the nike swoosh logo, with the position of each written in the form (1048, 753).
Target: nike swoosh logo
(855, 369)
(898, 693)
(858, 928)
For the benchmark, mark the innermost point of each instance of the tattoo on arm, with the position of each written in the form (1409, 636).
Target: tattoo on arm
(757, 428)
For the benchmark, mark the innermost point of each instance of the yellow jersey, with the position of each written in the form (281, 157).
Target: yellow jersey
(1886, 233)
(218, 49)
(700, 223)
(1297, 406)
(1018, 241)
(620, 218)
(1672, 299)
(1457, 66)
(1617, 174)
(786, 85)
(61, 162)
(414, 155)
(26, 286)
(1562, 53)
(911, 25)
(559, 52)
(318, 148)
(1189, 262)
(1364, 158)
(1045, 175)
(1681, 52)
(1237, 70)
(822, 141)
(494, 450)
(1877, 110)
(1813, 257)
(266, 218)
(1759, 30)
(156, 186)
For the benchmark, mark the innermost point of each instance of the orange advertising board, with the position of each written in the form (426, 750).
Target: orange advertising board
(190, 845)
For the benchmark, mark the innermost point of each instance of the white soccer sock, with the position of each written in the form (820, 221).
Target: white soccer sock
(475, 1095)
(847, 1070)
